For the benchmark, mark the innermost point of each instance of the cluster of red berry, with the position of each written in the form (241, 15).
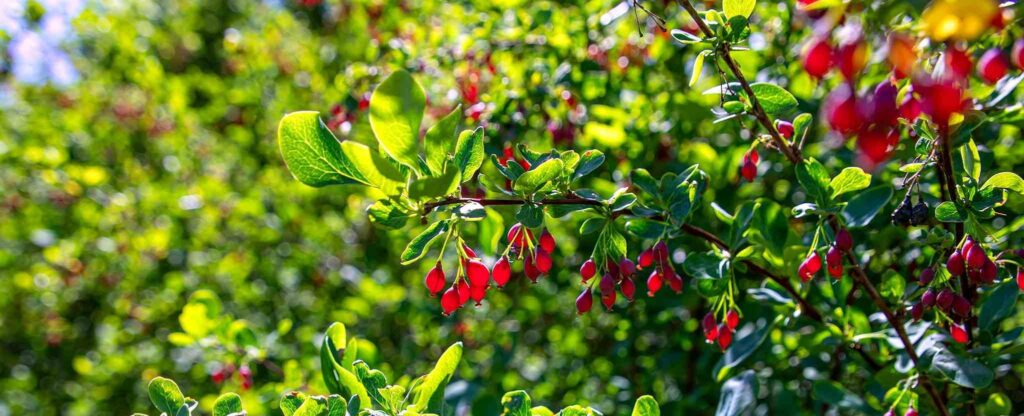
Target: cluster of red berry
(834, 258)
(910, 412)
(969, 258)
(224, 372)
(722, 333)
(621, 274)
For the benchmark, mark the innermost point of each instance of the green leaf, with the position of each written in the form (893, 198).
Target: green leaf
(428, 394)
(291, 401)
(849, 180)
(539, 176)
(684, 37)
(1005, 180)
(336, 406)
(516, 403)
(592, 225)
(227, 404)
(775, 100)
(396, 110)
(589, 162)
(375, 170)
(469, 152)
(971, 160)
(471, 211)
(771, 222)
(997, 404)
(738, 229)
(709, 271)
(999, 305)
(893, 285)
(800, 125)
(622, 200)
(643, 180)
(338, 376)
(438, 140)
(313, 406)
(311, 152)
(435, 187)
(814, 179)
(949, 212)
(961, 370)
(386, 214)
(862, 208)
(372, 380)
(531, 215)
(838, 396)
(165, 395)
(510, 172)
(739, 394)
(418, 246)
(698, 66)
(743, 347)
(645, 228)
(738, 8)
(646, 406)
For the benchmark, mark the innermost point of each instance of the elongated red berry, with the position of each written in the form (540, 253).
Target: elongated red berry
(435, 280)
(477, 273)
(518, 235)
(626, 267)
(1020, 279)
(961, 306)
(917, 311)
(724, 337)
(661, 251)
(968, 244)
(883, 104)
(876, 144)
(547, 241)
(992, 66)
(945, 299)
(462, 289)
(976, 257)
(809, 267)
(959, 333)
(607, 286)
(989, 271)
(502, 272)
(844, 241)
(910, 108)
(732, 319)
(817, 58)
(587, 270)
(940, 99)
(1017, 53)
(842, 110)
(646, 259)
(834, 262)
(530, 268)
(955, 264)
(910, 412)
(928, 298)
(710, 327)
(958, 62)
(612, 268)
(654, 283)
(477, 293)
(543, 260)
(851, 57)
(785, 128)
(926, 276)
(470, 253)
(450, 301)
(584, 301)
(628, 288)
(748, 168)
(674, 281)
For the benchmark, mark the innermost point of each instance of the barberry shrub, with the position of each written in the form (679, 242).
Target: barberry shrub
(353, 388)
(898, 102)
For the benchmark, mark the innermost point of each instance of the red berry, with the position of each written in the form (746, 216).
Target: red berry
(958, 332)
(748, 169)
(477, 273)
(890, 413)
(628, 288)
(834, 260)
(917, 311)
(883, 104)
(961, 306)
(470, 253)
(654, 282)
(588, 269)
(661, 250)
(940, 99)
(817, 57)
(613, 268)
(626, 267)
(435, 280)
(910, 108)
(842, 110)
(910, 412)
(709, 324)
(530, 269)
(968, 244)
(502, 272)
(809, 267)
(851, 57)
(1017, 55)
(724, 337)
(518, 235)
(732, 319)
(989, 271)
(218, 376)
(450, 301)
(843, 240)
(646, 259)
(976, 257)
(607, 286)
(928, 298)
(1020, 279)
(992, 67)
(674, 281)
(926, 277)
(584, 301)
(955, 264)
(877, 144)
(785, 128)
(364, 102)
(958, 62)
(945, 299)
(547, 241)
(543, 260)
(477, 293)
(246, 375)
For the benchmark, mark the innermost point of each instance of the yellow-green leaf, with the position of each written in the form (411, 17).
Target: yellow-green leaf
(396, 110)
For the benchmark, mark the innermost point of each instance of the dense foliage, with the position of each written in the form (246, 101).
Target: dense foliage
(788, 207)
